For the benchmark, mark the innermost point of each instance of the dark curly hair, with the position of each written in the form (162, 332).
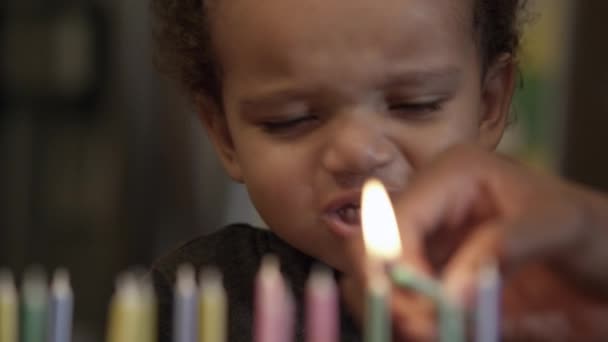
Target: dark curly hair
(184, 49)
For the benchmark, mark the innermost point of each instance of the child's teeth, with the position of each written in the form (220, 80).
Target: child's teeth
(350, 215)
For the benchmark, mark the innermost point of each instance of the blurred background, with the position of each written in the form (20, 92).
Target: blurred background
(103, 166)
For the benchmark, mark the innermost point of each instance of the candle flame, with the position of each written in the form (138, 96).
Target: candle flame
(380, 230)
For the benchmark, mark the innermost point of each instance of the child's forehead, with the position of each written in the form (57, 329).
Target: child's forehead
(356, 41)
(315, 19)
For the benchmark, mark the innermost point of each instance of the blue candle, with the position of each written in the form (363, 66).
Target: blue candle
(61, 308)
(488, 306)
(185, 308)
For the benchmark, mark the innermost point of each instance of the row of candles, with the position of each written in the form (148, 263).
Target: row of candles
(45, 315)
(200, 311)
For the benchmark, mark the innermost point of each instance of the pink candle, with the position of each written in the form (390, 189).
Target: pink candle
(273, 320)
(321, 307)
(288, 316)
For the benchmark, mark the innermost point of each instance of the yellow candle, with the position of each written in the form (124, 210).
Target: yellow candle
(213, 308)
(8, 308)
(125, 311)
(148, 328)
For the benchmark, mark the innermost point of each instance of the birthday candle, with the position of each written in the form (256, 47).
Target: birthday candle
(61, 308)
(271, 301)
(213, 307)
(35, 302)
(488, 306)
(125, 311)
(321, 307)
(287, 323)
(377, 315)
(451, 321)
(148, 330)
(8, 308)
(185, 308)
(383, 245)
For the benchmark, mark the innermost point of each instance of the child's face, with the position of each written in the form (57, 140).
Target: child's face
(320, 95)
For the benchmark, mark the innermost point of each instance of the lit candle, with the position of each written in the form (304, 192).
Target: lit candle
(185, 309)
(321, 307)
(35, 306)
(488, 306)
(377, 313)
(383, 245)
(61, 308)
(273, 306)
(9, 308)
(126, 311)
(213, 307)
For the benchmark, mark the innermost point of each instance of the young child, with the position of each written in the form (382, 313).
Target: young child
(304, 100)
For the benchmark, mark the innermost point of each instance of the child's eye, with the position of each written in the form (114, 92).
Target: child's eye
(288, 126)
(415, 109)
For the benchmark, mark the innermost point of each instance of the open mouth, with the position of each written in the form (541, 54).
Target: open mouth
(349, 214)
(345, 219)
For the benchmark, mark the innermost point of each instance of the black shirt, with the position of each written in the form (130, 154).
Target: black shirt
(237, 251)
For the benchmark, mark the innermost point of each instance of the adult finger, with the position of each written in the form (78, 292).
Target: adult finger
(481, 249)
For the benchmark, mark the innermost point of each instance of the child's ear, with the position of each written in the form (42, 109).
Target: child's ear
(497, 93)
(219, 134)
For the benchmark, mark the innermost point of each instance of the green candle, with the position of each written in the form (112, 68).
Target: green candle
(34, 309)
(377, 313)
(450, 316)
(406, 278)
(451, 323)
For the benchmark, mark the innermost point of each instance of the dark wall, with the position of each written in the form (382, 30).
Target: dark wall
(586, 145)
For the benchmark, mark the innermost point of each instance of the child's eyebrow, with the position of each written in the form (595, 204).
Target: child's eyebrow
(438, 79)
(446, 78)
(274, 97)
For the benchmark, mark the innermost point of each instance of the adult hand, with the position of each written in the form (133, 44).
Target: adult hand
(549, 237)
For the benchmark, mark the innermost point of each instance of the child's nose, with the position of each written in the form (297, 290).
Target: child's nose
(358, 149)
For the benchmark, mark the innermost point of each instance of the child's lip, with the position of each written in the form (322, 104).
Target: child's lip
(332, 218)
(337, 226)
